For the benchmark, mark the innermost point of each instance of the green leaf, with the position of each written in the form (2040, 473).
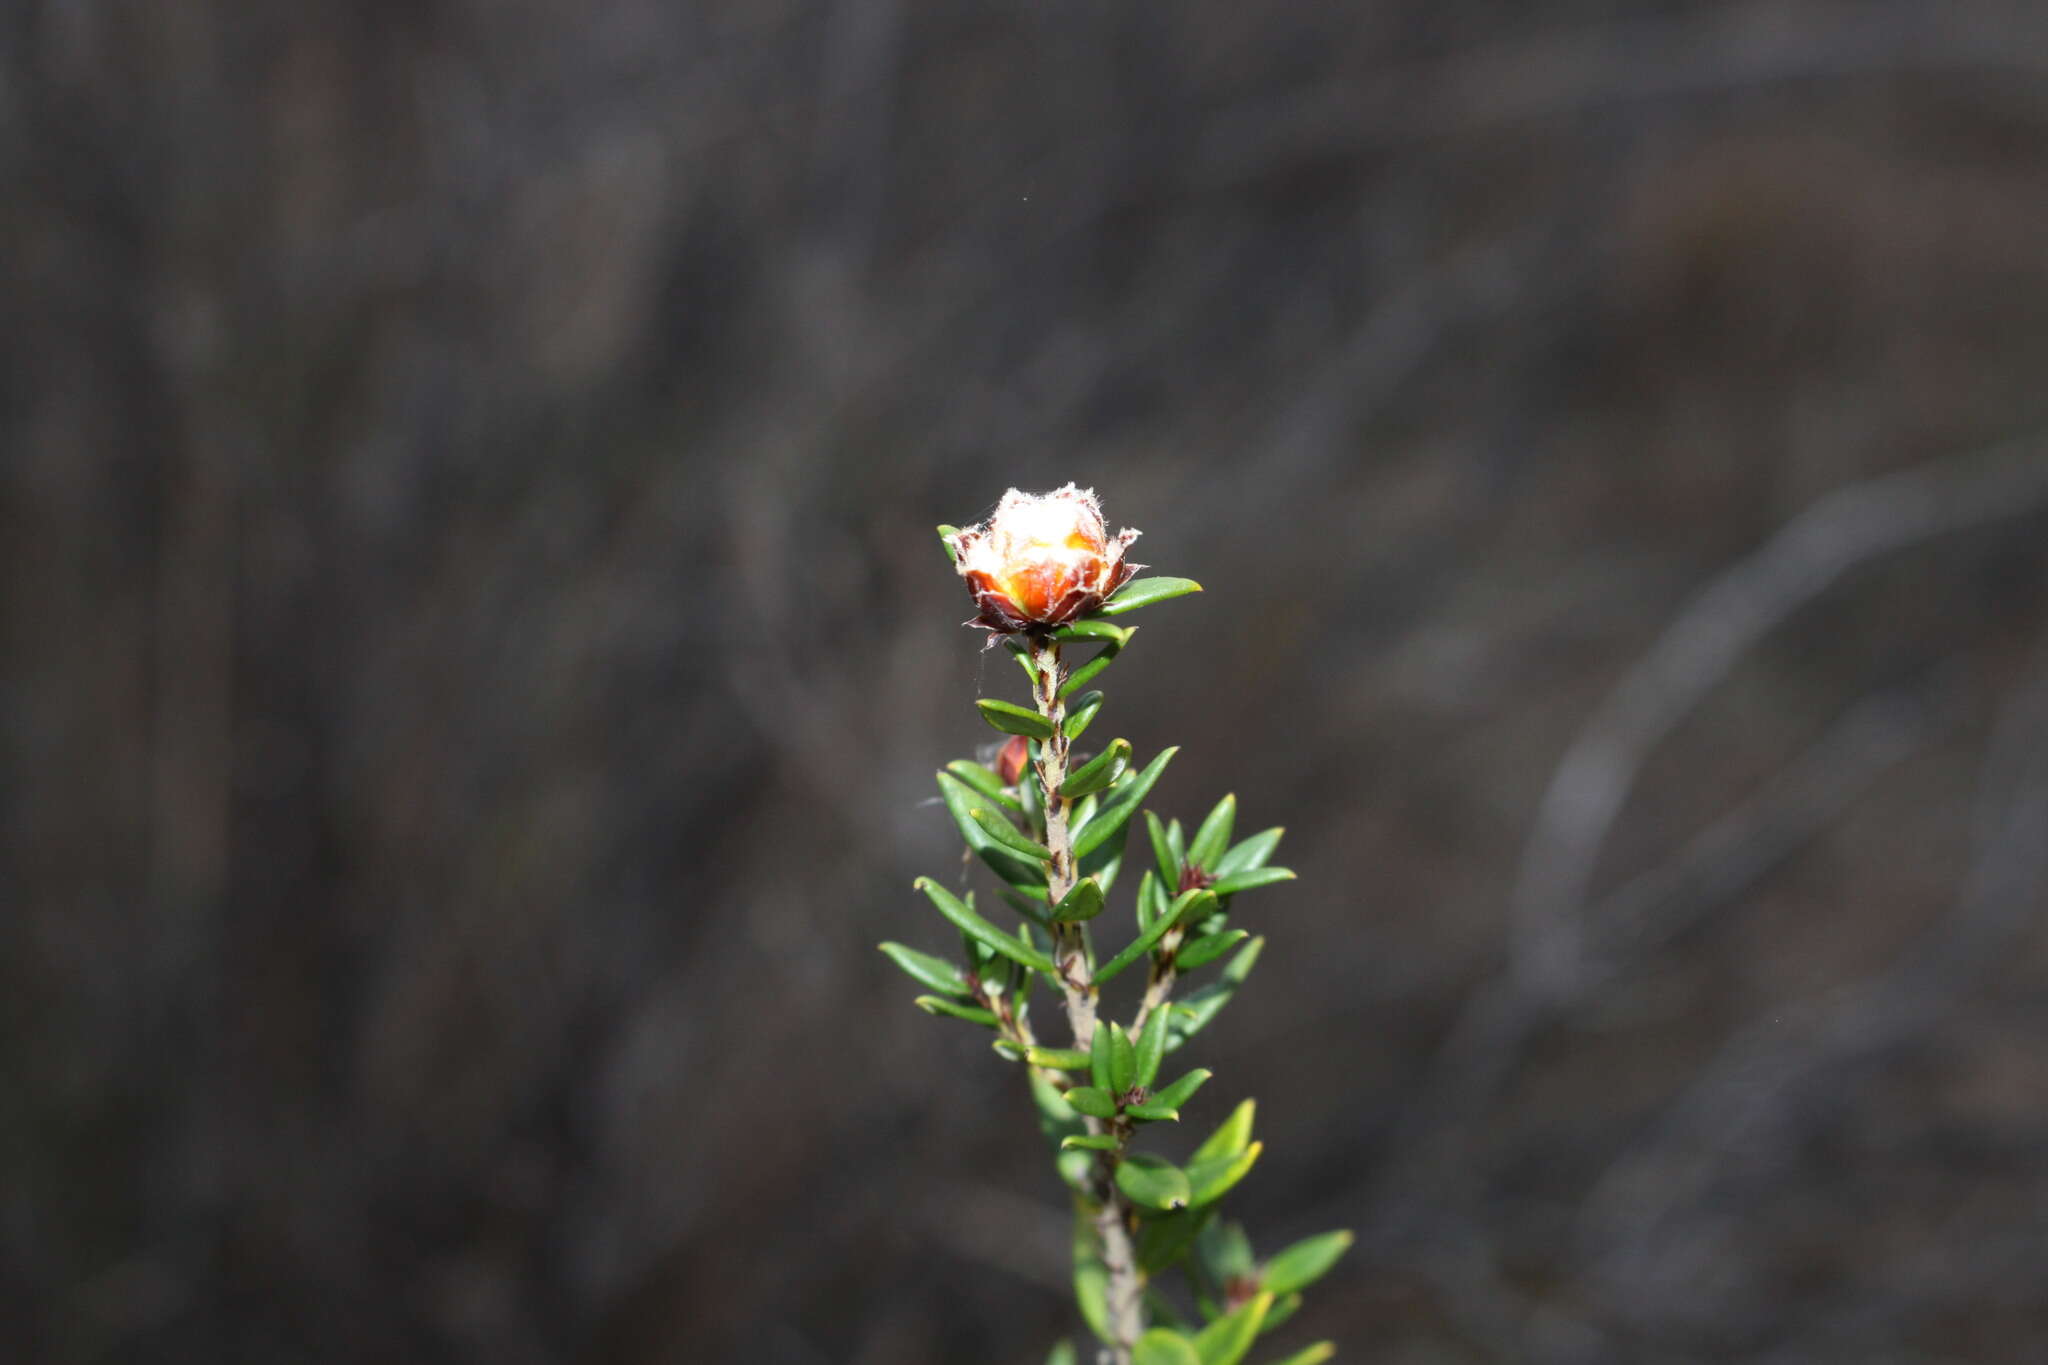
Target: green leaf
(1081, 712)
(1151, 1047)
(1091, 1281)
(1164, 1237)
(1123, 1066)
(1104, 862)
(1162, 852)
(946, 534)
(979, 929)
(1307, 1261)
(933, 973)
(1225, 1252)
(1094, 628)
(1084, 902)
(1232, 1135)
(1056, 1122)
(1176, 1095)
(1143, 592)
(1284, 1307)
(1149, 901)
(1209, 1181)
(1156, 930)
(1153, 1182)
(1094, 1142)
(1192, 1015)
(1092, 1101)
(1121, 802)
(1012, 719)
(1208, 948)
(1062, 1354)
(1026, 874)
(1152, 1111)
(1087, 672)
(1225, 1341)
(1057, 1058)
(1253, 852)
(984, 782)
(1178, 847)
(973, 1014)
(1020, 650)
(1311, 1355)
(1210, 841)
(998, 828)
(1007, 1048)
(1105, 768)
(1249, 878)
(1102, 1059)
(1164, 1346)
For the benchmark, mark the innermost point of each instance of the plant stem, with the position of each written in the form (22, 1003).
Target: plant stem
(1124, 1293)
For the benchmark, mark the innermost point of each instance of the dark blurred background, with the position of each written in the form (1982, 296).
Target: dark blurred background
(476, 652)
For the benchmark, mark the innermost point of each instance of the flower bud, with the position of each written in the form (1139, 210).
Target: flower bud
(1010, 760)
(1041, 560)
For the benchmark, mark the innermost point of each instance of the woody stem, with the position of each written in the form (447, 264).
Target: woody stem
(1124, 1292)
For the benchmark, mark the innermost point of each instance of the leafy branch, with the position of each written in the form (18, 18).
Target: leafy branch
(1052, 826)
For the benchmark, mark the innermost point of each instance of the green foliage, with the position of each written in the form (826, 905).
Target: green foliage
(1143, 592)
(1063, 827)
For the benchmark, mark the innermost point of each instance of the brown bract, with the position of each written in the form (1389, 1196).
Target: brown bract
(1041, 560)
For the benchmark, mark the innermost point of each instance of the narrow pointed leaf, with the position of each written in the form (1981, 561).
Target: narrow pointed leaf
(1176, 1095)
(1178, 847)
(933, 973)
(1232, 1135)
(998, 828)
(1152, 1181)
(1206, 849)
(1012, 719)
(1094, 628)
(1094, 1142)
(1062, 1354)
(1148, 902)
(1162, 852)
(1152, 1111)
(1247, 854)
(984, 782)
(1192, 1015)
(946, 534)
(1007, 1048)
(1057, 1058)
(1081, 713)
(1311, 1355)
(1209, 1181)
(1145, 942)
(1033, 906)
(1151, 1046)
(1098, 772)
(938, 1004)
(1102, 1060)
(1249, 878)
(1020, 650)
(1208, 948)
(1164, 1346)
(1123, 1065)
(1307, 1261)
(1143, 592)
(974, 926)
(1084, 902)
(1087, 672)
(1105, 861)
(1092, 1101)
(1119, 805)
(1284, 1307)
(1225, 1341)
(1024, 873)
